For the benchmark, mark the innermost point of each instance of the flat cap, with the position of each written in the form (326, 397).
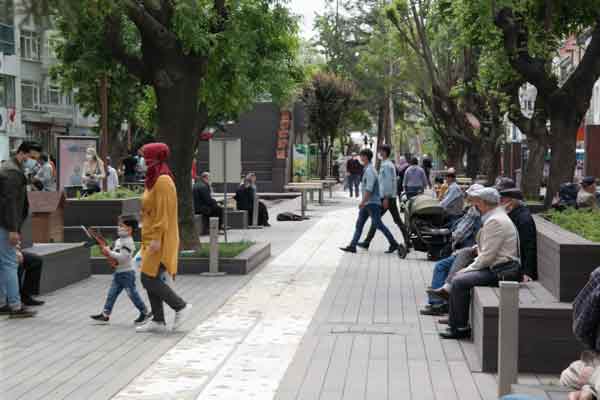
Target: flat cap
(513, 193)
(588, 180)
(488, 194)
(503, 183)
(474, 188)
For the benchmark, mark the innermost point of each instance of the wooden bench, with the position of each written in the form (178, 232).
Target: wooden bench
(64, 264)
(546, 342)
(565, 260)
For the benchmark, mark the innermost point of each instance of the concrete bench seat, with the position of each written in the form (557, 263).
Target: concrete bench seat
(236, 219)
(64, 264)
(546, 342)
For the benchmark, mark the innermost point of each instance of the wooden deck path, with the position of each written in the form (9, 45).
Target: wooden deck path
(368, 341)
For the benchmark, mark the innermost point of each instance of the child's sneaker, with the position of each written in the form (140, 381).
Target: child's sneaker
(142, 319)
(181, 316)
(100, 318)
(152, 327)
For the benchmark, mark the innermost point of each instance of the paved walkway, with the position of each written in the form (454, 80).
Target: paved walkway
(311, 324)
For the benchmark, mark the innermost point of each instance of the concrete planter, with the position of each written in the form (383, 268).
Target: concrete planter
(244, 263)
(99, 212)
(565, 260)
(64, 264)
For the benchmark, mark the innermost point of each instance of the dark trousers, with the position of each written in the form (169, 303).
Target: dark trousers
(353, 184)
(393, 209)
(158, 293)
(212, 212)
(263, 214)
(30, 273)
(460, 295)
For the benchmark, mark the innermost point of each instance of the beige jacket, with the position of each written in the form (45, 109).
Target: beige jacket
(497, 241)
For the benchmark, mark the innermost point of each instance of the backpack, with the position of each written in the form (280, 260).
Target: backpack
(288, 216)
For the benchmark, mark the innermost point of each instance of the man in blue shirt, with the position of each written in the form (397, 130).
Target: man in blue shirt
(370, 207)
(453, 201)
(388, 184)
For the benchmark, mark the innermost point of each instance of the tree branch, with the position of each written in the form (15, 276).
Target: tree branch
(150, 26)
(114, 41)
(516, 38)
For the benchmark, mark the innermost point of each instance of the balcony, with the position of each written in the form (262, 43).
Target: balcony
(48, 112)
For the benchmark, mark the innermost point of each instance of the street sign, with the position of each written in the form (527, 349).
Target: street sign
(225, 157)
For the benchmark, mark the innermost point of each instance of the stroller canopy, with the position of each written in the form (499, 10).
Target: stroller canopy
(424, 205)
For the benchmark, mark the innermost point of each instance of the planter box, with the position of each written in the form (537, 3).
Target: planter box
(244, 263)
(565, 260)
(544, 324)
(64, 264)
(99, 212)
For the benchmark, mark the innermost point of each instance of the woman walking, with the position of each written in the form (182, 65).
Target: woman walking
(160, 239)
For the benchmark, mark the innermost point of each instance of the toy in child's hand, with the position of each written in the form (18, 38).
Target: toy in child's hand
(92, 234)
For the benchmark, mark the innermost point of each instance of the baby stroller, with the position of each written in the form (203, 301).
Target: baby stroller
(425, 219)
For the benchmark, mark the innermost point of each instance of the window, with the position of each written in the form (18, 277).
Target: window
(7, 39)
(7, 91)
(54, 95)
(30, 45)
(30, 93)
(7, 12)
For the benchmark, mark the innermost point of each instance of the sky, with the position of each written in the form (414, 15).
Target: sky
(307, 9)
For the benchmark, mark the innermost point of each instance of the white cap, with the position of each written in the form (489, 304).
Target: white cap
(488, 194)
(474, 188)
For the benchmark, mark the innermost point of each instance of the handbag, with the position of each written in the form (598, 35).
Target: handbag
(510, 271)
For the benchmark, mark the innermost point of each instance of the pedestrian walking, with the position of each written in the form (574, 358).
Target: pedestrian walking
(354, 171)
(415, 180)
(388, 189)
(160, 239)
(370, 207)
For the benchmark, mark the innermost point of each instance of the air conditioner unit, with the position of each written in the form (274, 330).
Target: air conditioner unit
(3, 119)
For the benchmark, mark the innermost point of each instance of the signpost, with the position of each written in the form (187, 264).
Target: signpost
(225, 163)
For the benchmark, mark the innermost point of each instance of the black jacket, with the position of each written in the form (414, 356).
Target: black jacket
(14, 205)
(244, 198)
(203, 200)
(521, 217)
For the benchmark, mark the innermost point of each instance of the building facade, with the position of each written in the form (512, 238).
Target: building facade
(31, 104)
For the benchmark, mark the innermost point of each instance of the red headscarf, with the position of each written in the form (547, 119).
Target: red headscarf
(156, 156)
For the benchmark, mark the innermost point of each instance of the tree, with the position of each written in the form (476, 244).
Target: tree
(205, 60)
(327, 99)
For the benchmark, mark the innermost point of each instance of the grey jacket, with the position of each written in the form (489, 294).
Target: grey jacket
(14, 206)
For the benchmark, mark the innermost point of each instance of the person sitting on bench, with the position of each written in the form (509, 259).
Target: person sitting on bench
(29, 273)
(244, 198)
(204, 203)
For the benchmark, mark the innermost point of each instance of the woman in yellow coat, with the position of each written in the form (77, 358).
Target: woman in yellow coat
(160, 239)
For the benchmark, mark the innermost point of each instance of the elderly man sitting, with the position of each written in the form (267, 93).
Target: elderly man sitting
(497, 246)
(587, 197)
(463, 236)
(453, 200)
(204, 203)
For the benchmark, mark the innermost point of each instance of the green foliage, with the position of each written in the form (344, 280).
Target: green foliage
(585, 223)
(226, 250)
(120, 193)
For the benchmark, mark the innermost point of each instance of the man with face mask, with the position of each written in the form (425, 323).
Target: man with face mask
(14, 208)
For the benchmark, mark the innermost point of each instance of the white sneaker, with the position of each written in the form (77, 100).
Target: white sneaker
(181, 316)
(152, 327)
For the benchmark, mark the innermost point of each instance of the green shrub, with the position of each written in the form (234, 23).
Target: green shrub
(585, 223)
(120, 193)
(226, 250)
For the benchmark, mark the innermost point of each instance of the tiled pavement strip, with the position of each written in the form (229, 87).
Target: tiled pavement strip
(311, 324)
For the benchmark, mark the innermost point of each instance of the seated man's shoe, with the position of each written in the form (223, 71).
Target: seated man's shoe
(348, 249)
(22, 313)
(436, 310)
(30, 301)
(364, 245)
(440, 293)
(449, 333)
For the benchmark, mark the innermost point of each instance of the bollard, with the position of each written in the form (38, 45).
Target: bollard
(303, 203)
(321, 200)
(311, 193)
(508, 337)
(213, 263)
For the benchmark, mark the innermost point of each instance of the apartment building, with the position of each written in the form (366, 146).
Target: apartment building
(31, 104)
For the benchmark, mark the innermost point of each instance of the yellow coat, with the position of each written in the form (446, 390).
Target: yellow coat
(160, 222)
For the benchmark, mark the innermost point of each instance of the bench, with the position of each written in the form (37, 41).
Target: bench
(236, 219)
(544, 330)
(327, 184)
(64, 264)
(303, 188)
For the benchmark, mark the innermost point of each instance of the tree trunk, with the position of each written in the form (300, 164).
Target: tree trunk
(564, 125)
(178, 120)
(533, 170)
(454, 157)
(381, 126)
(323, 167)
(473, 159)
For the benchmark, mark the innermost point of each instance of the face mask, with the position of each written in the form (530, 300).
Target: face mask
(89, 157)
(123, 232)
(29, 163)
